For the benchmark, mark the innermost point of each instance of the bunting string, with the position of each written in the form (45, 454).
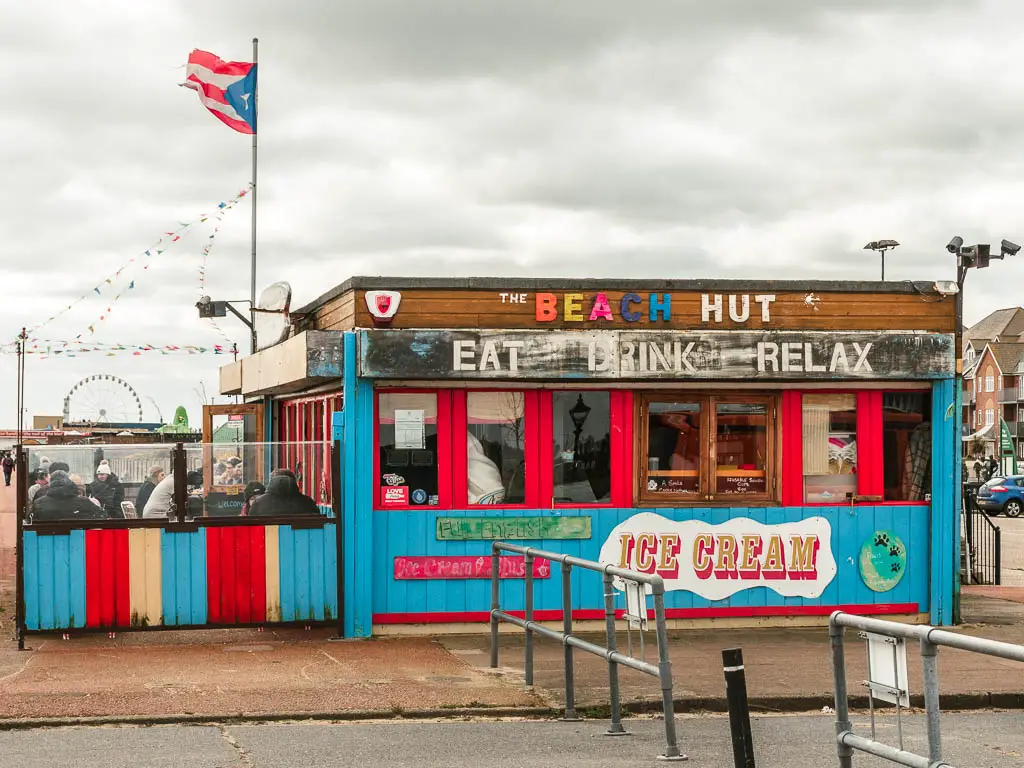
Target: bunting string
(61, 348)
(167, 240)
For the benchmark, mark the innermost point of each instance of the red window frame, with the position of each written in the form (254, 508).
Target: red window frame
(621, 423)
(532, 431)
(870, 450)
(444, 457)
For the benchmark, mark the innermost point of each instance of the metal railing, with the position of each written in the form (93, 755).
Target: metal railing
(982, 543)
(930, 638)
(1009, 395)
(662, 671)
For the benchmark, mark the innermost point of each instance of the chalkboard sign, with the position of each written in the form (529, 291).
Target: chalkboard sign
(673, 484)
(742, 484)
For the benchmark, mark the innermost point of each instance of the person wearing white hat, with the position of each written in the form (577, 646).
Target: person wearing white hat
(108, 490)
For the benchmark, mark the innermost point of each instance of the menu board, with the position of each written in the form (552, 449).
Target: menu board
(742, 484)
(673, 484)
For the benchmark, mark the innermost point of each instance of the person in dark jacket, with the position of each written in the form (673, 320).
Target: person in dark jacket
(63, 502)
(283, 498)
(108, 491)
(156, 474)
(252, 491)
(8, 465)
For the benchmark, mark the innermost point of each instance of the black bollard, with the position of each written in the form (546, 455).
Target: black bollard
(739, 711)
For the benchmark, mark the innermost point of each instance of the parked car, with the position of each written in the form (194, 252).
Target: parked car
(1002, 494)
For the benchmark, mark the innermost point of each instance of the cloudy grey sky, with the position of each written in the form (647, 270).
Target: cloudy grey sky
(665, 138)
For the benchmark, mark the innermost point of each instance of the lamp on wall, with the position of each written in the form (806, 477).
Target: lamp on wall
(578, 413)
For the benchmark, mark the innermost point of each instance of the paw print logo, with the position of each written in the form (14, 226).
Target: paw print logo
(882, 540)
(895, 551)
(896, 567)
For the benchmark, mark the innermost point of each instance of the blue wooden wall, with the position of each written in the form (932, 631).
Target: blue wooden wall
(54, 581)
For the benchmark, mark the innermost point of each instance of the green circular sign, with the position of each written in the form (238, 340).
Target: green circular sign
(883, 561)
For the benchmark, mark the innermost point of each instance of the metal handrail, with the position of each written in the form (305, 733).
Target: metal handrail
(663, 670)
(930, 638)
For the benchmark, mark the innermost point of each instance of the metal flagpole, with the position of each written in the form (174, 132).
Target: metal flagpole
(252, 267)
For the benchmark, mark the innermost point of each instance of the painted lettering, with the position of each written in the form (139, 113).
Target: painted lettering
(607, 357)
(662, 306)
(628, 541)
(659, 355)
(862, 356)
(803, 557)
(703, 549)
(490, 356)
(627, 314)
(739, 315)
(462, 353)
(547, 307)
(765, 300)
(750, 563)
(809, 359)
(646, 547)
(767, 354)
(725, 562)
(626, 351)
(513, 348)
(838, 358)
(792, 356)
(774, 565)
(668, 556)
(709, 306)
(573, 308)
(601, 310)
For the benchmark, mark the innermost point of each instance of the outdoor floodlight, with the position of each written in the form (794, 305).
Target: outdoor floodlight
(881, 246)
(946, 287)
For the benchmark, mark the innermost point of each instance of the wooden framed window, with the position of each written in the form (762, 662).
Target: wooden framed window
(695, 448)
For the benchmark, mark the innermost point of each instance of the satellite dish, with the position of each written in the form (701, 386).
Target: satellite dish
(270, 320)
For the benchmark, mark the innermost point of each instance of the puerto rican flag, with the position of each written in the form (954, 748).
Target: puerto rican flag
(226, 88)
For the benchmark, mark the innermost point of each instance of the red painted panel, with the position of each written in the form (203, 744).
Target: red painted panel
(466, 567)
(870, 477)
(882, 609)
(236, 578)
(792, 449)
(107, 585)
(622, 448)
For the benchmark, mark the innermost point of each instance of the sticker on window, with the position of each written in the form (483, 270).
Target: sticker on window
(394, 496)
(419, 496)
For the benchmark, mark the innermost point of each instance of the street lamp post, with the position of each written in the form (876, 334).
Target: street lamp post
(881, 246)
(578, 413)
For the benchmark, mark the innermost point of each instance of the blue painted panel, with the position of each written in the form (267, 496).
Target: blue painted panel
(54, 581)
(945, 533)
(412, 533)
(308, 573)
(183, 572)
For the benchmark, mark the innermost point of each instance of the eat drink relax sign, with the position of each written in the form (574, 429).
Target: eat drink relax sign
(716, 561)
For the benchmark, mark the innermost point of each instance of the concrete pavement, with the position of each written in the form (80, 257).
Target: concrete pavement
(980, 740)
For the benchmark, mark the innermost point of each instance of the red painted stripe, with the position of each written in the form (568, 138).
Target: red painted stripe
(881, 609)
(870, 477)
(107, 579)
(236, 578)
(792, 449)
(217, 65)
(622, 448)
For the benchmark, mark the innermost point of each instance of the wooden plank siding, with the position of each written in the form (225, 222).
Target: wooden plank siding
(803, 310)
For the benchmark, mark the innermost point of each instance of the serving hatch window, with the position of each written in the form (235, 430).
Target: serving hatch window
(496, 447)
(829, 446)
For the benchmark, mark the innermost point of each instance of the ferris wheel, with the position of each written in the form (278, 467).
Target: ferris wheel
(102, 399)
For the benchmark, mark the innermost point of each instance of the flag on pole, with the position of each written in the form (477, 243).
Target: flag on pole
(226, 88)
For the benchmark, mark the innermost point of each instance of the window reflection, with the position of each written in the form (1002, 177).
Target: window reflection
(673, 447)
(495, 450)
(582, 447)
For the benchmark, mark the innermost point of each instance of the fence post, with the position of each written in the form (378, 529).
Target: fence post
(528, 561)
(930, 668)
(570, 683)
(843, 724)
(495, 605)
(739, 710)
(21, 496)
(616, 728)
(665, 674)
(998, 555)
(179, 468)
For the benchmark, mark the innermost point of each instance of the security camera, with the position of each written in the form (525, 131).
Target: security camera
(1009, 248)
(946, 287)
(954, 244)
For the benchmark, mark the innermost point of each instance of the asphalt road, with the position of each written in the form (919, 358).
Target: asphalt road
(1013, 549)
(979, 740)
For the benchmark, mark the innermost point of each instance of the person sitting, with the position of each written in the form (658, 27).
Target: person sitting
(159, 503)
(109, 490)
(82, 490)
(156, 474)
(63, 502)
(283, 498)
(252, 491)
(42, 479)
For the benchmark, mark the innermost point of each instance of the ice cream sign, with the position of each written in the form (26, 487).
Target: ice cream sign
(716, 561)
